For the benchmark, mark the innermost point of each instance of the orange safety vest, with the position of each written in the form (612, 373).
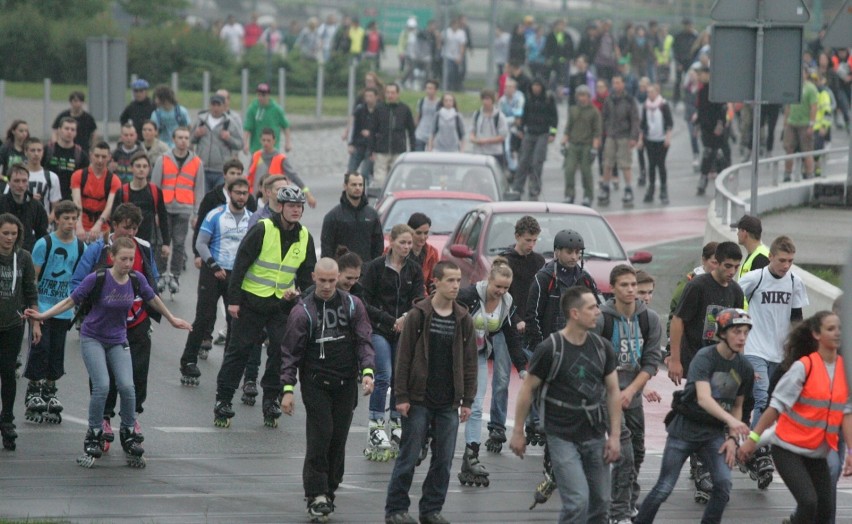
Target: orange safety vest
(179, 185)
(276, 165)
(818, 413)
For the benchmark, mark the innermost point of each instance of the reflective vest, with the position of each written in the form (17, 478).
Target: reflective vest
(276, 166)
(269, 274)
(824, 111)
(818, 413)
(179, 185)
(746, 267)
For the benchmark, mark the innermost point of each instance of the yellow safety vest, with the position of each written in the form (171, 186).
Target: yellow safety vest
(746, 267)
(270, 274)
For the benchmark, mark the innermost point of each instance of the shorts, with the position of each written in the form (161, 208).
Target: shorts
(797, 139)
(617, 152)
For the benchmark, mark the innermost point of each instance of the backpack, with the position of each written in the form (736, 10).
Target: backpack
(48, 245)
(107, 184)
(181, 121)
(609, 324)
(155, 195)
(584, 281)
(459, 125)
(85, 307)
(478, 113)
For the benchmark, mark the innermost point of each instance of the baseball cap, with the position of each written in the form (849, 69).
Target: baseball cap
(412, 23)
(749, 224)
(263, 88)
(138, 84)
(217, 99)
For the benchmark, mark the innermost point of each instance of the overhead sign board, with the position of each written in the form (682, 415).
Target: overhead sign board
(839, 34)
(778, 11)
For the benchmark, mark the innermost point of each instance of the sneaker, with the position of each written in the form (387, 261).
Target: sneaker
(174, 285)
(400, 518)
(587, 201)
(433, 518)
(627, 198)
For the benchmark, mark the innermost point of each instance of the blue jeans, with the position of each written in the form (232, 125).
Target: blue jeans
(835, 467)
(763, 369)
(582, 478)
(443, 425)
(420, 145)
(473, 426)
(500, 382)
(385, 358)
(212, 179)
(676, 453)
(359, 159)
(99, 358)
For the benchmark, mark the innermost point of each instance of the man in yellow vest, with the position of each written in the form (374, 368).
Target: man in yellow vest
(274, 262)
(179, 174)
(749, 230)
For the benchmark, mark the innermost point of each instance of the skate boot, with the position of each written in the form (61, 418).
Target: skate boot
(53, 413)
(189, 374)
(534, 437)
(702, 185)
(107, 436)
(249, 393)
(92, 446)
(649, 196)
(473, 473)
(223, 412)
(35, 405)
(547, 486)
(396, 436)
(627, 199)
(703, 482)
(132, 450)
(378, 445)
(664, 195)
(162, 284)
(760, 467)
(587, 202)
(271, 412)
(9, 435)
(496, 438)
(137, 430)
(319, 508)
(603, 198)
(174, 285)
(220, 338)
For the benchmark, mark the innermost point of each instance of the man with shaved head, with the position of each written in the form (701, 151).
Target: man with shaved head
(327, 339)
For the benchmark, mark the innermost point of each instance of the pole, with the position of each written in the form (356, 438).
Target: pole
(350, 89)
(244, 91)
(46, 112)
(175, 83)
(445, 66)
(756, 109)
(205, 89)
(320, 86)
(105, 85)
(282, 85)
(490, 74)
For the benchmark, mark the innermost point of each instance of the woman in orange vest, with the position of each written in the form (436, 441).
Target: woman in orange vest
(810, 404)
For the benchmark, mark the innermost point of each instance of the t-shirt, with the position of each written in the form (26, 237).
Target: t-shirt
(233, 35)
(580, 379)
(771, 302)
(226, 231)
(439, 383)
(57, 268)
(426, 125)
(63, 162)
(702, 299)
(800, 114)
(107, 321)
(92, 196)
(259, 117)
(86, 127)
(168, 120)
(121, 156)
(144, 199)
(453, 42)
(728, 380)
(485, 323)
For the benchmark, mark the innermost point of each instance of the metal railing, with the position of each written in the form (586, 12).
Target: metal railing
(730, 207)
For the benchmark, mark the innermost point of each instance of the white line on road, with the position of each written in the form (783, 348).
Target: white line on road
(200, 429)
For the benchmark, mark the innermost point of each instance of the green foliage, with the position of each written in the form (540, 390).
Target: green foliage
(301, 71)
(153, 11)
(59, 9)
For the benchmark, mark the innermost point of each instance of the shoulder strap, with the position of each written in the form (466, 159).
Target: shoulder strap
(496, 118)
(137, 287)
(597, 341)
(84, 177)
(459, 127)
(78, 155)
(753, 291)
(606, 332)
(86, 306)
(556, 360)
(155, 195)
(107, 184)
(420, 107)
(81, 248)
(125, 193)
(48, 244)
(644, 325)
(476, 115)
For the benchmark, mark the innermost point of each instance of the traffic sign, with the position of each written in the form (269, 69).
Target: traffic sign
(778, 11)
(839, 34)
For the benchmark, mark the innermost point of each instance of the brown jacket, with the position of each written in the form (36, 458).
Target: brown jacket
(412, 355)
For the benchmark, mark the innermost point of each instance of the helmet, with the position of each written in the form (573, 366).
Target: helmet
(728, 318)
(139, 84)
(291, 194)
(568, 238)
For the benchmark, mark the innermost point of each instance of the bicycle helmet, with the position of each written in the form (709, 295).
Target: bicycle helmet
(291, 194)
(728, 318)
(568, 238)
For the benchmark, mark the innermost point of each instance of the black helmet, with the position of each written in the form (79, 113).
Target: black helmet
(291, 194)
(568, 238)
(728, 318)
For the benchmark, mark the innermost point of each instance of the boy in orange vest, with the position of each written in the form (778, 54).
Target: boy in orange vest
(268, 161)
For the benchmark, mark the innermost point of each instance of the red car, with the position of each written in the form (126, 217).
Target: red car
(444, 208)
(487, 230)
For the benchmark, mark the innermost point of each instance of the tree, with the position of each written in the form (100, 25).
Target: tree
(153, 11)
(54, 9)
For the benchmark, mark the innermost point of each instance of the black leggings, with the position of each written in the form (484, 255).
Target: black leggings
(657, 152)
(810, 483)
(10, 346)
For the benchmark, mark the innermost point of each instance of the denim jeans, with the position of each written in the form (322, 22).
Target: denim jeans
(531, 162)
(385, 359)
(99, 358)
(634, 419)
(444, 424)
(420, 145)
(677, 451)
(582, 478)
(473, 426)
(763, 369)
(500, 382)
(622, 475)
(46, 359)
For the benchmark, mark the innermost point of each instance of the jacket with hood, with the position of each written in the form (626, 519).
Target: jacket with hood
(635, 353)
(411, 372)
(32, 215)
(472, 297)
(543, 315)
(393, 129)
(356, 227)
(17, 287)
(540, 116)
(621, 116)
(213, 150)
(448, 131)
(391, 292)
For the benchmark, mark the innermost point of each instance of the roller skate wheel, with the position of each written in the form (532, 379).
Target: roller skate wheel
(85, 461)
(248, 401)
(34, 417)
(136, 462)
(486, 482)
(222, 422)
(202, 354)
(270, 422)
(702, 498)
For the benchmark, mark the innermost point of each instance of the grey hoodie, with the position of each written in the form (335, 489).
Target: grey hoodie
(214, 151)
(633, 352)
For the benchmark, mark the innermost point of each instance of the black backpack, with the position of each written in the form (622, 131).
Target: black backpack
(86, 306)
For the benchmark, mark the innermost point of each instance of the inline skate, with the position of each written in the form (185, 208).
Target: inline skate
(473, 473)
(223, 412)
(132, 450)
(378, 445)
(271, 412)
(93, 448)
(760, 467)
(547, 486)
(204, 349)
(249, 393)
(396, 436)
(53, 413)
(34, 403)
(107, 435)
(701, 478)
(319, 508)
(9, 435)
(496, 438)
(190, 374)
(534, 436)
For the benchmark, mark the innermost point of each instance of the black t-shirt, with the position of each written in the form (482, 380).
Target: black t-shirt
(439, 384)
(580, 378)
(728, 380)
(702, 299)
(524, 269)
(144, 199)
(86, 126)
(64, 161)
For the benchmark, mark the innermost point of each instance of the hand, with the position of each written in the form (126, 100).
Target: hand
(36, 330)
(166, 251)
(397, 325)
(234, 311)
(200, 131)
(639, 144)
(367, 385)
(112, 165)
(350, 149)
(372, 157)
(612, 450)
(627, 395)
(197, 261)
(518, 443)
(82, 234)
(37, 197)
(225, 135)
(403, 408)
(291, 294)
(365, 133)
(738, 427)
(221, 275)
(246, 147)
(193, 221)
(667, 143)
(33, 314)
(521, 327)
(180, 323)
(564, 141)
(847, 467)
(288, 147)
(746, 450)
(675, 371)
(652, 396)
(345, 135)
(312, 202)
(287, 404)
(729, 449)
(464, 414)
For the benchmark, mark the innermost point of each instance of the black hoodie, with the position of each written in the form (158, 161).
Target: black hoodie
(356, 227)
(540, 114)
(32, 215)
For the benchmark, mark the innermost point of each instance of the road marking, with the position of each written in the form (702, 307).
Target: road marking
(75, 420)
(201, 429)
(359, 488)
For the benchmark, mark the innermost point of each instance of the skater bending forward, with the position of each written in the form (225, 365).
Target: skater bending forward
(108, 295)
(327, 339)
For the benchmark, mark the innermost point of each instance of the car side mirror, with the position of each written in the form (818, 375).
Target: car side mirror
(641, 257)
(461, 251)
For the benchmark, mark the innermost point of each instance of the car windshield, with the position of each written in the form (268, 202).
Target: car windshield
(467, 178)
(444, 212)
(600, 241)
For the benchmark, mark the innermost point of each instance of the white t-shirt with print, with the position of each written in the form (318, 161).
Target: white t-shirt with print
(770, 301)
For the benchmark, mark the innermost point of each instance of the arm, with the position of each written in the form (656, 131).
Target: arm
(709, 404)
(471, 366)
(157, 304)
(364, 346)
(247, 253)
(115, 185)
(518, 442)
(293, 346)
(163, 220)
(612, 449)
(675, 339)
(513, 343)
(405, 356)
(535, 310)
(377, 238)
(87, 263)
(58, 309)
